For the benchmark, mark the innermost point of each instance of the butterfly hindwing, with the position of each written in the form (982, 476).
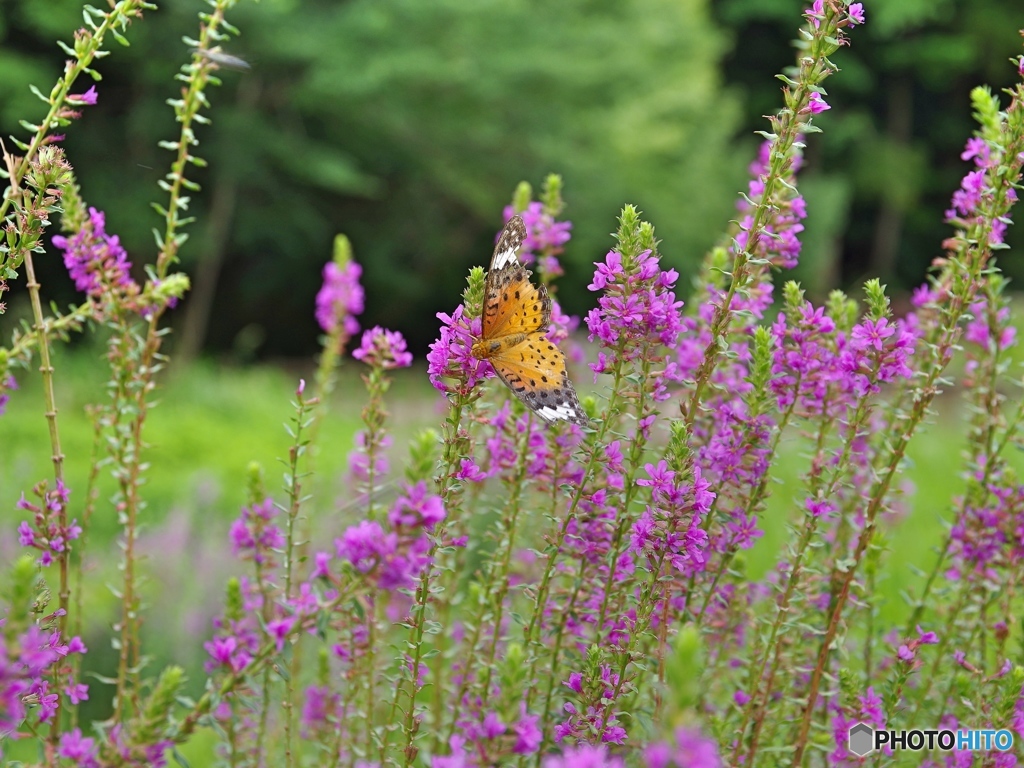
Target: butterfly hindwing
(535, 372)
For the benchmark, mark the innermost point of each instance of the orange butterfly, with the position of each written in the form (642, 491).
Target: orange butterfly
(515, 315)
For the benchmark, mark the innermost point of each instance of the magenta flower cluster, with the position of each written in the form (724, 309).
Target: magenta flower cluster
(688, 748)
(450, 357)
(637, 311)
(546, 238)
(340, 298)
(45, 532)
(393, 557)
(592, 716)
(32, 669)
(671, 528)
(778, 243)
(975, 192)
(254, 535)
(383, 348)
(96, 261)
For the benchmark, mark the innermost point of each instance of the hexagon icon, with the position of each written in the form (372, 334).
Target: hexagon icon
(861, 739)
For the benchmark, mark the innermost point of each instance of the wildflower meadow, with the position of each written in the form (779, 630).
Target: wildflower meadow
(512, 586)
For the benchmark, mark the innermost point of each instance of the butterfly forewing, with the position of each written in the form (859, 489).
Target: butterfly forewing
(509, 242)
(512, 304)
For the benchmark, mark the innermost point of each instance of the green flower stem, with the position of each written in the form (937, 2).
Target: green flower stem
(760, 694)
(56, 456)
(187, 113)
(293, 485)
(453, 451)
(144, 371)
(645, 609)
(88, 46)
(180, 732)
(752, 503)
(59, 326)
(91, 495)
(532, 631)
(625, 521)
(491, 603)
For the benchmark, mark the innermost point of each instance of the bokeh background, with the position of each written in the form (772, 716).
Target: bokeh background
(406, 125)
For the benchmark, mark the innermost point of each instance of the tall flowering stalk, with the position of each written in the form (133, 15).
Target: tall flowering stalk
(767, 232)
(381, 350)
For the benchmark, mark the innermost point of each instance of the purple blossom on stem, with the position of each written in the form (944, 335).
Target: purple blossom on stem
(805, 361)
(688, 749)
(359, 459)
(458, 757)
(95, 260)
(340, 298)
(779, 242)
(975, 193)
(254, 535)
(417, 508)
(30, 664)
(279, 629)
(82, 751)
(46, 532)
(584, 756)
(593, 715)
(384, 348)
(451, 357)
(978, 330)
(545, 237)
(394, 559)
(670, 527)
(528, 734)
(7, 384)
(816, 105)
(319, 709)
(637, 309)
(869, 710)
(89, 97)
(877, 352)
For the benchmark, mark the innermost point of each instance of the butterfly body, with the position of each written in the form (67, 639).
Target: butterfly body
(516, 314)
(484, 350)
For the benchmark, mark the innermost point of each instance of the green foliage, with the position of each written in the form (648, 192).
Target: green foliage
(406, 125)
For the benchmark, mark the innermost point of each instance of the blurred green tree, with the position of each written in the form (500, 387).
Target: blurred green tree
(878, 185)
(405, 125)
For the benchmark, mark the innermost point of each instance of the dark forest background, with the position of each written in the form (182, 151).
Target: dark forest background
(406, 125)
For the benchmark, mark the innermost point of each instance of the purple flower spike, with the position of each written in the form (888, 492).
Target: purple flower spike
(78, 749)
(383, 348)
(95, 260)
(340, 298)
(450, 356)
(584, 756)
